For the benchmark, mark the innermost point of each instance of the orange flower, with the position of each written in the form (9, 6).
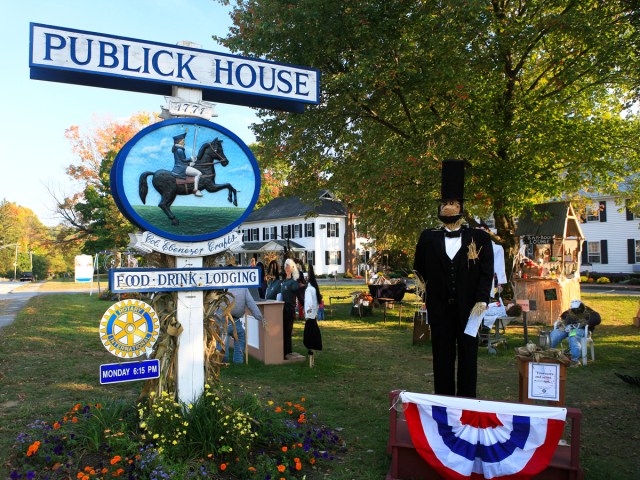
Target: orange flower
(284, 449)
(76, 407)
(281, 468)
(312, 460)
(85, 477)
(297, 460)
(80, 475)
(301, 418)
(87, 468)
(302, 399)
(104, 470)
(116, 459)
(33, 448)
(252, 469)
(298, 466)
(223, 467)
(278, 409)
(118, 472)
(74, 420)
(56, 425)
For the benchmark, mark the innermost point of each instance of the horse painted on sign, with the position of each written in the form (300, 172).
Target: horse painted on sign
(168, 185)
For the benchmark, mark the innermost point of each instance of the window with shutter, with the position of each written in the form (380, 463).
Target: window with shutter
(593, 252)
(604, 253)
(603, 211)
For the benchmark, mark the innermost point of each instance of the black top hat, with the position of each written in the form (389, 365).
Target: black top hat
(177, 138)
(452, 180)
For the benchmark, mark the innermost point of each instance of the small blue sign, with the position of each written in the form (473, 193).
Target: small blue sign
(128, 372)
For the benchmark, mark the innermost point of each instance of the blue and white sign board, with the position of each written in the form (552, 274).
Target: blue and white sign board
(130, 280)
(129, 372)
(60, 54)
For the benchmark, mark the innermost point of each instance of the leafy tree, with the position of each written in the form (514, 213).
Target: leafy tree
(19, 225)
(272, 176)
(91, 215)
(535, 95)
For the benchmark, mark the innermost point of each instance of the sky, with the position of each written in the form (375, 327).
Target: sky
(35, 114)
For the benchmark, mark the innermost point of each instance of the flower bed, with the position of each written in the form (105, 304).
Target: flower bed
(223, 435)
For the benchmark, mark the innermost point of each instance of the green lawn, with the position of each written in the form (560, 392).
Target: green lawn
(50, 357)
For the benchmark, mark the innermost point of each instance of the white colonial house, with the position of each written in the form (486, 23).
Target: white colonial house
(318, 232)
(612, 237)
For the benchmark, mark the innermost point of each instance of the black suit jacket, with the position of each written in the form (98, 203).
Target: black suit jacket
(473, 276)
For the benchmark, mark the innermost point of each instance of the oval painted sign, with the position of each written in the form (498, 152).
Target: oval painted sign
(187, 180)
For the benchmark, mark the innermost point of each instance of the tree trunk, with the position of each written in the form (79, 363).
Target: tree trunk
(350, 254)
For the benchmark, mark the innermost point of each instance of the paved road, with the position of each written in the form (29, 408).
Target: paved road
(15, 295)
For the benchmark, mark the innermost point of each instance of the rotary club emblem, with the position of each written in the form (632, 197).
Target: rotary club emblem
(128, 328)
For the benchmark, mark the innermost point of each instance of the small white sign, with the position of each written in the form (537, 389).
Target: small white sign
(83, 268)
(544, 381)
(148, 242)
(182, 108)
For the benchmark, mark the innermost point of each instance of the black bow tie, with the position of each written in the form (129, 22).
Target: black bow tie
(454, 234)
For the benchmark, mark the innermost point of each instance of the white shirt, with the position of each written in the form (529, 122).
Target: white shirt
(310, 302)
(452, 244)
(498, 264)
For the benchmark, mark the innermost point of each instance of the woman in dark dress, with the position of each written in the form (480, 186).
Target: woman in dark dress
(289, 290)
(312, 338)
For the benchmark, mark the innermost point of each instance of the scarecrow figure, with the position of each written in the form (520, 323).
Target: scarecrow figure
(456, 264)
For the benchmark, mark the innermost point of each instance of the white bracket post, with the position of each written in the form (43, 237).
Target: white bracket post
(190, 314)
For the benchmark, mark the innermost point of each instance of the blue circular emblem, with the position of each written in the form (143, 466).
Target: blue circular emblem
(186, 180)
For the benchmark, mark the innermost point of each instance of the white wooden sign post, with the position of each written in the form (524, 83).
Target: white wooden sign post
(190, 314)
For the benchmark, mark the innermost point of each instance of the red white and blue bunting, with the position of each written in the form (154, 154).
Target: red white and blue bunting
(464, 438)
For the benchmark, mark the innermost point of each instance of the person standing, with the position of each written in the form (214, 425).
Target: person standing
(312, 337)
(456, 264)
(289, 291)
(273, 281)
(243, 301)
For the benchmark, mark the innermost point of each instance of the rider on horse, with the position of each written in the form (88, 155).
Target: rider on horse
(183, 166)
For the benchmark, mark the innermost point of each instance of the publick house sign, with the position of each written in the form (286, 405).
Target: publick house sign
(75, 56)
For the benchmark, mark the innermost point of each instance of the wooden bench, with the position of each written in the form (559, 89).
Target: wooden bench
(407, 464)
